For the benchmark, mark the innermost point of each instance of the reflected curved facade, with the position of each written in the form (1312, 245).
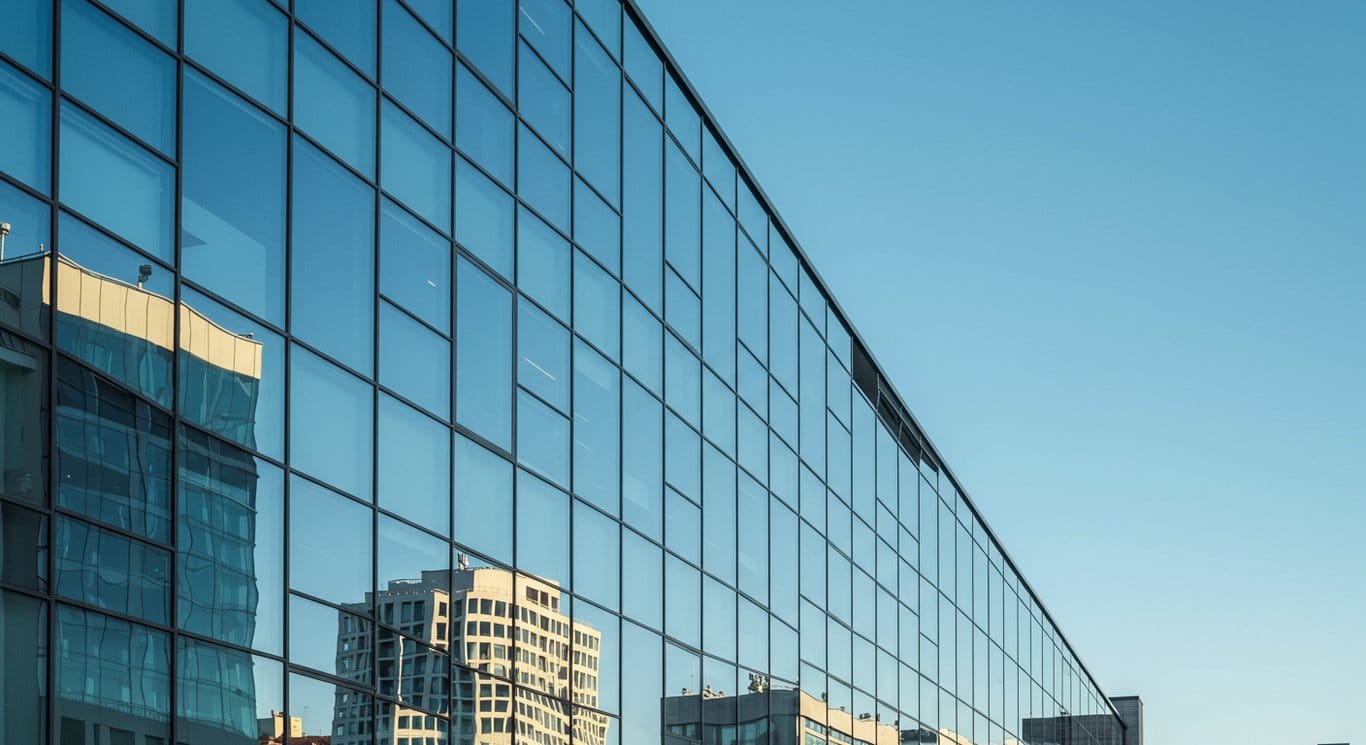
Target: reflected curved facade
(432, 373)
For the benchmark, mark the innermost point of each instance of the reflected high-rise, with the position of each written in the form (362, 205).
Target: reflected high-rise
(435, 372)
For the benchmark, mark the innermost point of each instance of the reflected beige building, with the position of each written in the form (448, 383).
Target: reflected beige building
(768, 717)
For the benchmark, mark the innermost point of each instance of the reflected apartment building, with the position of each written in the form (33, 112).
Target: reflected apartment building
(417, 372)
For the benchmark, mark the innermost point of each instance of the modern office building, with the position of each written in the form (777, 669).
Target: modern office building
(417, 372)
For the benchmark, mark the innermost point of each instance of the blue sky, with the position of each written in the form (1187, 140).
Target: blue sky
(1114, 257)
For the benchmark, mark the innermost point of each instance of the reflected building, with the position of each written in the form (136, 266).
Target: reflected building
(768, 717)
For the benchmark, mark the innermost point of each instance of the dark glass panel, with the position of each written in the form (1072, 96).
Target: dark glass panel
(109, 674)
(24, 403)
(26, 107)
(485, 32)
(246, 44)
(484, 126)
(23, 666)
(417, 67)
(348, 25)
(224, 695)
(334, 105)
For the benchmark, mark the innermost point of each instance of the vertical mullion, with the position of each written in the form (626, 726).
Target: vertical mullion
(285, 704)
(174, 444)
(53, 471)
(374, 365)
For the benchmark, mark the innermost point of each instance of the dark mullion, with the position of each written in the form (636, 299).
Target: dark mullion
(98, 116)
(53, 469)
(373, 688)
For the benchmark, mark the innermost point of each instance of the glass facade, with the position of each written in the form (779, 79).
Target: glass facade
(411, 372)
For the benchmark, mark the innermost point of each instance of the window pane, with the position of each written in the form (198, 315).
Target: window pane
(597, 305)
(683, 216)
(683, 119)
(644, 66)
(414, 466)
(597, 556)
(417, 68)
(542, 100)
(223, 693)
(604, 16)
(782, 330)
(415, 266)
(643, 203)
(108, 570)
(26, 107)
(331, 431)
(233, 211)
(682, 457)
(543, 356)
(116, 183)
(682, 526)
(683, 601)
(330, 547)
(752, 525)
(682, 309)
(333, 258)
(718, 169)
(682, 381)
(545, 24)
(752, 299)
(319, 651)
(414, 361)
(642, 458)
(28, 37)
(542, 439)
(597, 114)
(231, 558)
(246, 44)
(134, 692)
(483, 500)
(718, 287)
(483, 400)
(30, 234)
(642, 570)
(483, 218)
(597, 390)
(484, 32)
(484, 127)
(23, 634)
(718, 412)
(542, 529)
(417, 167)
(812, 406)
(405, 557)
(752, 216)
(596, 227)
(326, 710)
(542, 179)
(348, 25)
(153, 16)
(718, 513)
(642, 344)
(138, 93)
(437, 14)
(334, 105)
(543, 264)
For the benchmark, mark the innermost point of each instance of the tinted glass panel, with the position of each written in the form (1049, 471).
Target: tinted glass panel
(597, 114)
(414, 466)
(334, 105)
(542, 179)
(246, 44)
(224, 693)
(30, 37)
(483, 400)
(484, 32)
(233, 210)
(642, 458)
(543, 356)
(642, 202)
(23, 632)
(543, 100)
(337, 569)
(484, 218)
(415, 266)
(543, 262)
(683, 217)
(483, 500)
(108, 570)
(597, 390)
(417, 167)
(545, 23)
(683, 119)
(331, 427)
(542, 439)
(597, 555)
(642, 344)
(417, 67)
(542, 528)
(133, 691)
(597, 305)
(718, 287)
(644, 66)
(484, 127)
(348, 25)
(597, 228)
(27, 109)
(414, 361)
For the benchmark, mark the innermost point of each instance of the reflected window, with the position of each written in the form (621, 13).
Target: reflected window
(246, 44)
(483, 500)
(110, 673)
(30, 234)
(224, 693)
(417, 166)
(233, 209)
(414, 465)
(597, 390)
(542, 529)
(597, 113)
(484, 33)
(484, 126)
(543, 262)
(414, 361)
(330, 546)
(326, 710)
(483, 400)
(117, 183)
(417, 67)
(334, 105)
(330, 640)
(415, 266)
(331, 426)
(483, 218)
(108, 570)
(26, 107)
(231, 552)
(333, 257)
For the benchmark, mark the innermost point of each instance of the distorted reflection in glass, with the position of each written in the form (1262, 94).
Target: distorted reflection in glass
(109, 674)
(225, 695)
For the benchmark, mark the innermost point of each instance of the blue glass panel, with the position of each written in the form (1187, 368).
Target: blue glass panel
(485, 33)
(718, 514)
(752, 216)
(782, 334)
(331, 423)
(543, 356)
(542, 179)
(545, 24)
(109, 674)
(682, 457)
(437, 13)
(597, 305)
(604, 16)
(417, 167)
(116, 183)
(682, 526)
(415, 266)
(157, 17)
(718, 169)
(682, 380)
(30, 222)
(752, 299)
(108, 570)
(484, 127)
(597, 431)
(597, 556)
(414, 466)
(542, 439)
(333, 258)
(682, 118)
(26, 658)
(542, 100)
(417, 68)
(483, 500)
(683, 596)
(542, 529)
(718, 412)
(782, 257)
(26, 107)
(643, 203)
(718, 287)
(414, 361)
(543, 263)
(28, 34)
(331, 547)
(233, 209)
(333, 104)
(224, 693)
(484, 218)
(245, 43)
(752, 524)
(682, 309)
(596, 227)
(408, 560)
(642, 570)
(597, 114)
(483, 393)
(348, 25)
(642, 458)
(232, 533)
(683, 216)
(644, 66)
(812, 403)
(642, 344)
(752, 445)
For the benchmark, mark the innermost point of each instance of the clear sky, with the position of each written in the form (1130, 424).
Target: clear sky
(1113, 254)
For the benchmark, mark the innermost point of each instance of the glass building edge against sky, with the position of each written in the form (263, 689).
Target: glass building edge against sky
(885, 385)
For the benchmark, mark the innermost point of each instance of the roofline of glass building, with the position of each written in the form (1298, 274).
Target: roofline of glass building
(881, 386)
